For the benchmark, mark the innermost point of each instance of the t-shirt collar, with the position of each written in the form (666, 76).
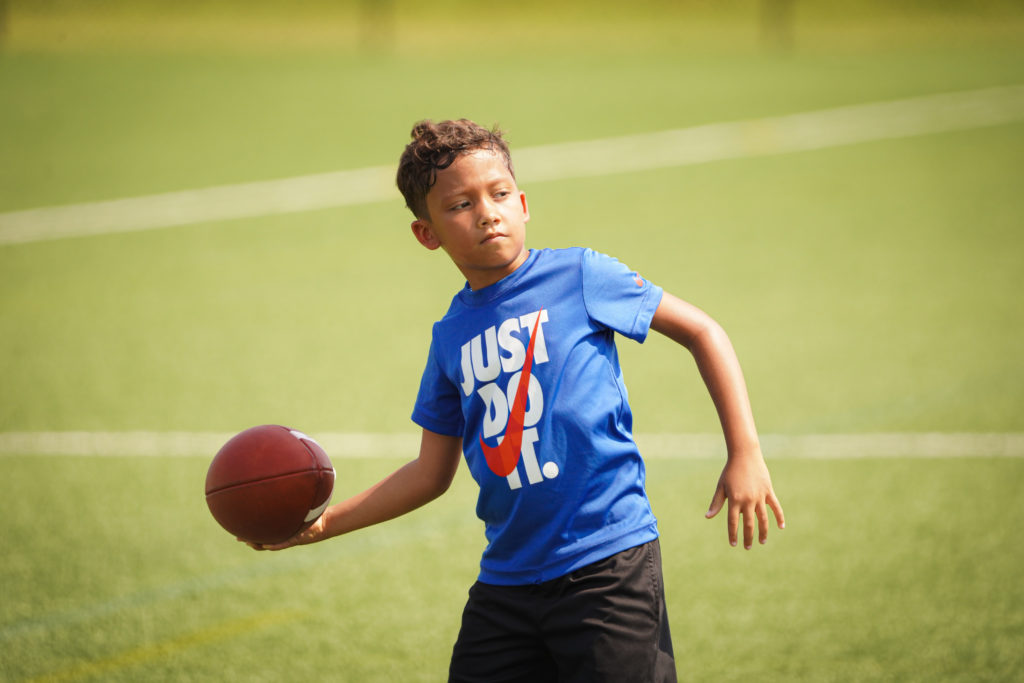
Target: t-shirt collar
(489, 293)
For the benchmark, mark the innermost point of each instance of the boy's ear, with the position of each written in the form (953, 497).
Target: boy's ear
(526, 209)
(425, 234)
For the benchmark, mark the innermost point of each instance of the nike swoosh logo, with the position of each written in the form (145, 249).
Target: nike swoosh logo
(503, 459)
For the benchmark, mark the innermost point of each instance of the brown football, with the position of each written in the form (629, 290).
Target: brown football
(268, 483)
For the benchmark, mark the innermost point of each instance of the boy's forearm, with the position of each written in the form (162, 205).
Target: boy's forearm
(391, 497)
(407, 488)
(720, 369)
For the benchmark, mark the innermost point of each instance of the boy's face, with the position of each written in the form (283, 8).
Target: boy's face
(478, 216)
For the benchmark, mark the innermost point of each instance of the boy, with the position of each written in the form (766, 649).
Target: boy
(523, 378)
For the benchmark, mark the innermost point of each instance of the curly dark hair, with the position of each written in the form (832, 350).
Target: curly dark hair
(434, 147)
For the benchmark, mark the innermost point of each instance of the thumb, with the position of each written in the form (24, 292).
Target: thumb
(717, 501)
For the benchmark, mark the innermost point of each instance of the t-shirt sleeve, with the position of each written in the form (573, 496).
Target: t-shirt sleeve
(438, 405)
(617, 297)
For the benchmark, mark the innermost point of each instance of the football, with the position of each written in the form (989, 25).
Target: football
(268, 483)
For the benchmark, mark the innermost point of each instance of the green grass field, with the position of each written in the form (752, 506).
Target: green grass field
(868, 288)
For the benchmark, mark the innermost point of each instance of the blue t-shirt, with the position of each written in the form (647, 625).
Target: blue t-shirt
(561, 479)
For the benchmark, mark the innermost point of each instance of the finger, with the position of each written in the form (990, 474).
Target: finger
(748, 527)
(717, 501)
(776, 506)
(762, 523)
(278, 546)
(734, 522)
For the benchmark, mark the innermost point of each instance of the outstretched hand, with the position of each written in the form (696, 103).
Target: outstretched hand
(312, 534)
(746, 484)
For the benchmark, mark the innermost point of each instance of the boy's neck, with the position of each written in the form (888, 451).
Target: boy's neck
(478, 279)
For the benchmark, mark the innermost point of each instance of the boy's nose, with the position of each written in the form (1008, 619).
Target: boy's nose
(489, 217)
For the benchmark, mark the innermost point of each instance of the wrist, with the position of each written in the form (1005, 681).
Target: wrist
(747, 450)
(325, 525)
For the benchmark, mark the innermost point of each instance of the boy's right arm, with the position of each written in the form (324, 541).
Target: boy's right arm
(407, 488)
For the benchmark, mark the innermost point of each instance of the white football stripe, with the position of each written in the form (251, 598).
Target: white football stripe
(681, 147)
(316, 512)
(300, 436)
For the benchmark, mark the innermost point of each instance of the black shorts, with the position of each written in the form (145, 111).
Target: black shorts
(603, 622)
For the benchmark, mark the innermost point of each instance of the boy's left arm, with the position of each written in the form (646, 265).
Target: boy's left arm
(745, 481)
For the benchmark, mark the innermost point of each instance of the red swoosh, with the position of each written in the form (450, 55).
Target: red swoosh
(503, 459)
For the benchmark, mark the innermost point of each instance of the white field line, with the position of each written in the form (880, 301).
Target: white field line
(670, 446)
(681, 147)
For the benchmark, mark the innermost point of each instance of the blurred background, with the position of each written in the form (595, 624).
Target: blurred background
(883, 262)
(199, 233)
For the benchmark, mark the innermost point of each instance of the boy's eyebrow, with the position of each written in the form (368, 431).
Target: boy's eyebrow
(464, 188)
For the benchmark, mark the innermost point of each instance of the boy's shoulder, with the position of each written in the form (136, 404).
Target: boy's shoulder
(551, 274)
(546, 269)
(543, 270)
(559, 259)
